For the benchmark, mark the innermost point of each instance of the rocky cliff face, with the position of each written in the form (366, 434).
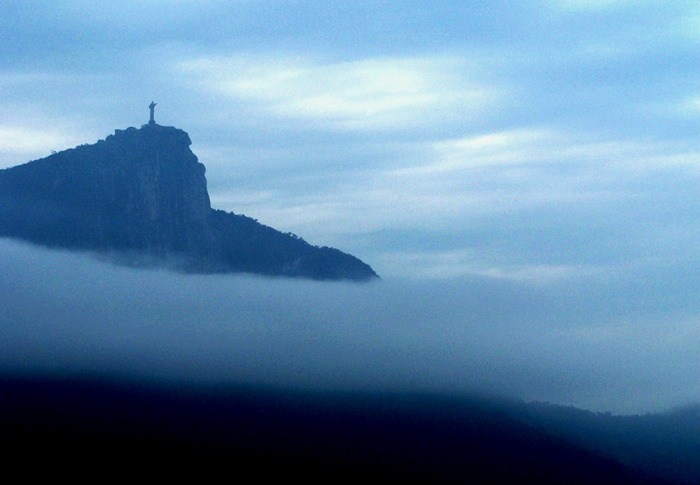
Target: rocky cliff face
(142, 194)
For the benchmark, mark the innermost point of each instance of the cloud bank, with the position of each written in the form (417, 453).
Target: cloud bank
(608, 344)
(371, 93)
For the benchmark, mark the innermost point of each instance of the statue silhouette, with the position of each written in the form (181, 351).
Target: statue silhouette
(152, 107)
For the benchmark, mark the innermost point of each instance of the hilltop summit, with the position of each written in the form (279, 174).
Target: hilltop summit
(140, 196)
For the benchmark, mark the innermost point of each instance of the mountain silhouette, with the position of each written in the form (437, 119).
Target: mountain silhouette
(282, 435)
(140, 197)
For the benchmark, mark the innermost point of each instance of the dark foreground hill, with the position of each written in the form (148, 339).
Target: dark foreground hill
(141, 196)
(82, 428)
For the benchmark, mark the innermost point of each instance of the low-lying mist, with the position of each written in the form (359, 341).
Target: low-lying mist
(620, 342)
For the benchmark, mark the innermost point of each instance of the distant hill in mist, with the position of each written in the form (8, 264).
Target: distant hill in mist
(666, 444)
(141, 196)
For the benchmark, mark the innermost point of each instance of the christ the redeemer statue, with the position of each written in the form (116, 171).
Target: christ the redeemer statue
(152, 107)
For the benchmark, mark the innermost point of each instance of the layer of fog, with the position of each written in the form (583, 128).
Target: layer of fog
(625, 343)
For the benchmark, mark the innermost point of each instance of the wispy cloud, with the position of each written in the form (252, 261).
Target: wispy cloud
(366, 93)
(496, 148)
(576, 5)
(471, 262)
(511, 186)
(20, 144)
(691, 105)
(492, 172)
(537, 147)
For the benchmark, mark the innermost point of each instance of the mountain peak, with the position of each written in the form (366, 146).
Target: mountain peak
(141, 194)
(153, 132)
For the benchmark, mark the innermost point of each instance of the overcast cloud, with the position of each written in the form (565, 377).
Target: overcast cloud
(503, 136)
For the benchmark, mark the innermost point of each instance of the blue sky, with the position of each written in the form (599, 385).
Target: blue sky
(533, 140)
